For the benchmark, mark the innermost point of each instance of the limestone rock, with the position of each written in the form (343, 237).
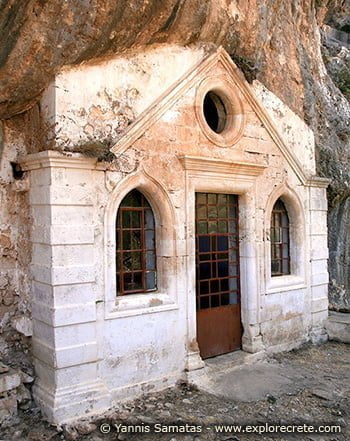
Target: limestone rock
(23, 325)
(26, 378)
(9, 380)
(84, 428)
(322, 393)
(70, 433)
(3, 368)
(8, 410)
(23, 396)
(70, 32)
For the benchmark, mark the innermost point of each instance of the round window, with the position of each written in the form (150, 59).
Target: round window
(219, 110)
(214, 112)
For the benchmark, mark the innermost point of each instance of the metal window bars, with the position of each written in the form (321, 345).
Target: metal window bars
(136, 249)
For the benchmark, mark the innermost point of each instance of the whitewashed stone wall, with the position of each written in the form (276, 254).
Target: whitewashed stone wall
(63, 301)
(319, 257)
(290, 125)
(111, 94)
(92, 348)
(89, 351)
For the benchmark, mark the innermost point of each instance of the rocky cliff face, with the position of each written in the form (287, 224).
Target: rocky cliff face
(298, 48)
(333, 132)
(300, 51)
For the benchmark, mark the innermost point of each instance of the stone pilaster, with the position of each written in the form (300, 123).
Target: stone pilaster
(65, 345)
(319, 259)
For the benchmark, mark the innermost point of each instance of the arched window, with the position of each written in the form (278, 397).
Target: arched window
(136, 253)
(280, 242)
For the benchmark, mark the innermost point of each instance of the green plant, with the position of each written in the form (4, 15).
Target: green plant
(342, 80)
(247, 66)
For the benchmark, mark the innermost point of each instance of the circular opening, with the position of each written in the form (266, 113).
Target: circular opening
(214, 112)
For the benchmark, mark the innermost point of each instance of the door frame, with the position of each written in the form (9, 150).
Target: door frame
(208, 175)
(226, 318)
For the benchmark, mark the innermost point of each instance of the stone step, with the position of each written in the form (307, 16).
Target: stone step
(221, 365)
(234, 359)
(338, 326)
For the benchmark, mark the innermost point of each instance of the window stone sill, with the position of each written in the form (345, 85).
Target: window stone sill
(138, 304)
(285, 283)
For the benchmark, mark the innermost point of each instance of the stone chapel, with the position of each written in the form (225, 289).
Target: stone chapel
(177, 216)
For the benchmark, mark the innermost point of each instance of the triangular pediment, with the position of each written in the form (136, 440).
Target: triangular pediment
(206, 67)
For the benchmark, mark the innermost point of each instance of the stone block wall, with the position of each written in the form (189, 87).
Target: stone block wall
(82, 358)
(63, 272)
(92, 347)
(15, 248)
(319, 261)
(14, 393)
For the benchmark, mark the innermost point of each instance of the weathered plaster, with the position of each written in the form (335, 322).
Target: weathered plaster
(291, 125)
(91, 348)
(14, 244)
(113, 94)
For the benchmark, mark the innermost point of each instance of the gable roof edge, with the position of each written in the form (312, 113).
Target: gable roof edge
(265, 118)
(169, 97)
(163, 103)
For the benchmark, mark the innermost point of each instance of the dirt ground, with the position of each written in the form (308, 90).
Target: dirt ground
(320, 396)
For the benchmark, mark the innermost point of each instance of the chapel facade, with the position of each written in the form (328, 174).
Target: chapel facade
(202, 231)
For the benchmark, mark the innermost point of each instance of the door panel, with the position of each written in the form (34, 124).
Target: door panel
(218, 330)
(217, 274)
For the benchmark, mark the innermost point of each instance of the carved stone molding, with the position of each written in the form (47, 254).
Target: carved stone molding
(219, 166)
(196, 75)
(228, 93)
(52, 158)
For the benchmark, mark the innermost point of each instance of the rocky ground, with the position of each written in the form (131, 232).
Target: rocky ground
(320, 395)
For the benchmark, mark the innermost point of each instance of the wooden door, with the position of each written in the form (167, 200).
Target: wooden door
(217, 274)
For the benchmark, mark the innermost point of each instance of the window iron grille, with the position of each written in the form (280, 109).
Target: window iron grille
(135, 246)
(217, 250)
(280, 243)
